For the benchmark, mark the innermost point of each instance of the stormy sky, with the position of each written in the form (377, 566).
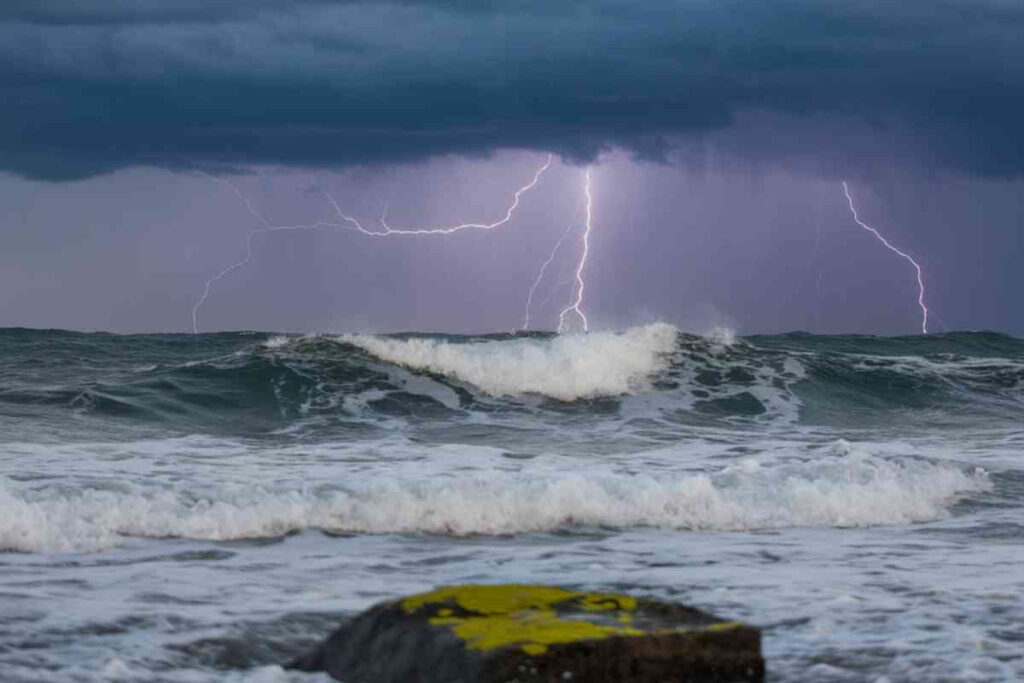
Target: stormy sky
(718, 133)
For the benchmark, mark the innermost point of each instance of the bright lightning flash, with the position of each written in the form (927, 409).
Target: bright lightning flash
(575, 306)
(917, 267)
(349, 223)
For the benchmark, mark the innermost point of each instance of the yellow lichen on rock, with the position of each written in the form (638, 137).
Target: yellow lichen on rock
(508, 598)
(501, 633)
(494, 616)
(602, 602)
(542, 627)
(491, 599)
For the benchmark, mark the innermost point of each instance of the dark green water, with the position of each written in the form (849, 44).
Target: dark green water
(199, 507)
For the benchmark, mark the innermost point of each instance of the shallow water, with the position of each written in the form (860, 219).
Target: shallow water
(180, 508)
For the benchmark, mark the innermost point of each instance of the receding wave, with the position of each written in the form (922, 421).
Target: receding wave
(567, 367)
(835, 490)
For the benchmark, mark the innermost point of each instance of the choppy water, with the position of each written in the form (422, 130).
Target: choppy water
(201, 508)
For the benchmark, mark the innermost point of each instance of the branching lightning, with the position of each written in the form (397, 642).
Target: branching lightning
(267, 228)
(388, 230)
(574, 310)
(575, 306)
(348, 223)
(917, 267)
(554, 288)
(544, 267)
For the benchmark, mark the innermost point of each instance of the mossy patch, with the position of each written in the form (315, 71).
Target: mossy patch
(509, 598)
(487, 617)
(536, 634)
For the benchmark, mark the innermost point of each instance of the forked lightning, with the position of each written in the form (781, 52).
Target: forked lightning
(349, 223)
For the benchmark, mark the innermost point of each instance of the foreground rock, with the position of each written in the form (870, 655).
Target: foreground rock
(506, 633)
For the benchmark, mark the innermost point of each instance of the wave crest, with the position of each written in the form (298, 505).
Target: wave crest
(836, 490)
(566, 367)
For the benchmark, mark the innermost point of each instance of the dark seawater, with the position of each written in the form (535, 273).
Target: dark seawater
(201, 508)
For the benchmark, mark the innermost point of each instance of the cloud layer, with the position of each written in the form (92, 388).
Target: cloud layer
(838, 86)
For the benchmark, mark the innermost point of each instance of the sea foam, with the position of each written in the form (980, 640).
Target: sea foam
(830, 491)
(566, 367)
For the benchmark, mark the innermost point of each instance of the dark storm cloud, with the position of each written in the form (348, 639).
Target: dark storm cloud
(89, 88)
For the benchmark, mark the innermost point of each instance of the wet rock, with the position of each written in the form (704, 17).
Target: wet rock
(527, 634)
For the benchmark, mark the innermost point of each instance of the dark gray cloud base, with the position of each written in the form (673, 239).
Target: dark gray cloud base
(327, 84)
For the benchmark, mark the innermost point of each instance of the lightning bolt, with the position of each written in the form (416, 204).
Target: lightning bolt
(917, 267)
(347, 223)
(388, 230)
(267, 228)
(554, 288)
(543, 268)
(574, 307)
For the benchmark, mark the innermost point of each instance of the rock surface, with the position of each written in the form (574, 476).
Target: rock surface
(526, 634)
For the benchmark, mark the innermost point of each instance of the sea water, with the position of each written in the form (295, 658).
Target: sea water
(204, 508)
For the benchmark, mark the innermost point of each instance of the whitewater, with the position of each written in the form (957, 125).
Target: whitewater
(204, 507)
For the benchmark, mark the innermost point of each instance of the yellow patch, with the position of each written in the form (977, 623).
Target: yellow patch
(501, 615)
(503, 599)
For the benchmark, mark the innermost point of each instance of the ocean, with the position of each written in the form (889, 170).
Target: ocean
(193, 508)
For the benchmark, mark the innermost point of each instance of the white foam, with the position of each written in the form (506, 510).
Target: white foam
(116, 669)
(566, 367)
(834, 490)
(721, 337)
(277, 341)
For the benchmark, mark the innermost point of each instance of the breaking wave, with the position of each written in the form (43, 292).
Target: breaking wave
(567, 367)
(835, 490)
(246, 384)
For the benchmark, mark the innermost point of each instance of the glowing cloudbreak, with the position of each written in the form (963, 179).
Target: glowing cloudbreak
(574, 307)
(349, 223)
(917, 267)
